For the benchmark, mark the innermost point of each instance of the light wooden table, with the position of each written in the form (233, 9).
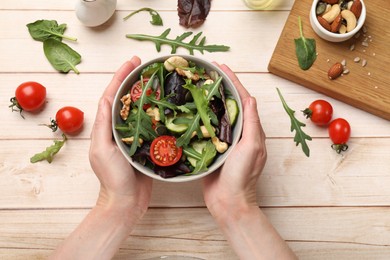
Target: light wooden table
(328, 206)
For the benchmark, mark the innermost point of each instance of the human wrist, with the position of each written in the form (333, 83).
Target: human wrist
(125, 208)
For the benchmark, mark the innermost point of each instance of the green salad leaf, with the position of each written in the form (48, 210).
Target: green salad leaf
(305, 49)
(50, 151)
(61, 56)
(156, 18)
(139, 124)
(202, 159)
(300, 136)
(203, 112)
(179, 42)
(42, 30)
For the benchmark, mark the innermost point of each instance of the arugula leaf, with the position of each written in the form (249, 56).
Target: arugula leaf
(300, 136)
(305, 49)
(202, 104)
(178, 42)
(140, 121)
(156, 18)
(203, 159)
(185, 138)
(42, 30)
(50, 151)
(61, 56)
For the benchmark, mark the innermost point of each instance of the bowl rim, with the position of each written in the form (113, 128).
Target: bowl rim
(237, 131)
(337, 36)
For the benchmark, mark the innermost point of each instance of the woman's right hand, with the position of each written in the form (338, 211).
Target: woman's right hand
(234, 185)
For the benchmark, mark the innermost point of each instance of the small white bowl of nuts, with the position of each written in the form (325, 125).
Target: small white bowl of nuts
(337, 20)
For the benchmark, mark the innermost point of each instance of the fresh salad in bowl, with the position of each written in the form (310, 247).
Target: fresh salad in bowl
(176, 117)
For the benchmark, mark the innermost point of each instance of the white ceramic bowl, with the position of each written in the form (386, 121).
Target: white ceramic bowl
(334, 37)
(124, 89)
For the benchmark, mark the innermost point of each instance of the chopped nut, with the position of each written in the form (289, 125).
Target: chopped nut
(344, 62)
(130, 140)
(365, 44)
(346, 71)
(352, 47)
(188, 74)
(155, 113)
(126, 100)
(364, 29)
(364, 62)
(357, 59)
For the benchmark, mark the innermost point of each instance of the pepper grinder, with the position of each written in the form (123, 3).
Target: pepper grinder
(94, 12)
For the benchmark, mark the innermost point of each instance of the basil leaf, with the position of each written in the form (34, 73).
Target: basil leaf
(305, 49)
(61, 56)
(50, 151)
(42, 30)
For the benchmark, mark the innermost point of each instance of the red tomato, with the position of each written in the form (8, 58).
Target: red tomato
(320, 112)
(70, 119)
(136, 92)
(29, 96)
(339, 132)
(164, 151)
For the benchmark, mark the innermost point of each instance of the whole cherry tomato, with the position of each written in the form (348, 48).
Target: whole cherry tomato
(339, 132)
(29, 96)
(69, 119)
(164, 151)
(136, 92)
(320, 112)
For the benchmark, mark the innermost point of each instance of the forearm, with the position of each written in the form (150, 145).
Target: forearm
(252, 236)
(99, 235)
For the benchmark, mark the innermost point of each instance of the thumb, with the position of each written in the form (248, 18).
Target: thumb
(102, 130)
(251, 127)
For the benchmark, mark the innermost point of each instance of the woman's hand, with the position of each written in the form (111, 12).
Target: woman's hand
(121, 185)
(124, 193)
(234, 185)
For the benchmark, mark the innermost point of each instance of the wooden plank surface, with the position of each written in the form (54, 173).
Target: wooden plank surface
(364, 87)
(350, 233)
(328, 206)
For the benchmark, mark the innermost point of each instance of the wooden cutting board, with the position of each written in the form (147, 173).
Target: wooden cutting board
(368, 87)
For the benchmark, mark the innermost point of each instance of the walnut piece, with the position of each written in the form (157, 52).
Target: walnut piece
(126, 100)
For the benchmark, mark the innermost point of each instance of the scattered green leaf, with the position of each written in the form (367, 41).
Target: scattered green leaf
(300, 136)
(156, 18)
(305, 49)
(50, 151)
(42, 30)
(61, 56)
(178, 42)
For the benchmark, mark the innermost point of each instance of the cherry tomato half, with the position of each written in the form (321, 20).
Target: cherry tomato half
(70, 119)
(320, 112)
(29, 96)
(164, 151)
(339, 132)
(136, 92)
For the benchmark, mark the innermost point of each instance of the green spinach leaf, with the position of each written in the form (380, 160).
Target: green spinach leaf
(156, 18)
(42, 30)
(300, 136)
(50, 151)
(61, 56)
(305, 49)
